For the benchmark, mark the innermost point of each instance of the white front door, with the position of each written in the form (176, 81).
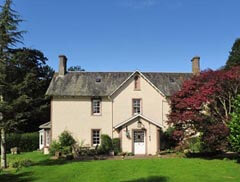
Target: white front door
(139, 142)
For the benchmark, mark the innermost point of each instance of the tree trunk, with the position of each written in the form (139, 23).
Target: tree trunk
(3, 149)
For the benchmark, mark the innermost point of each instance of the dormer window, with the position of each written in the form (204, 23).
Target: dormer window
(137, 82)
(98, 80)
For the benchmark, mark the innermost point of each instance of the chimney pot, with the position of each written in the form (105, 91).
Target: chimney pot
(196, 65)
(62, 65)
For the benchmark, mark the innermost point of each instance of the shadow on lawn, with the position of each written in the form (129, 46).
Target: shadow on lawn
(21, 177)
(52, 162)
(150, 179)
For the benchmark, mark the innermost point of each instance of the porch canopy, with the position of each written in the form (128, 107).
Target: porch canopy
(137, 117)
(45, 126)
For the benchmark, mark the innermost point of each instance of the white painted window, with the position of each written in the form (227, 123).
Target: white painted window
(95, 137)
(136, 106)
(47, 137)
(96, 106)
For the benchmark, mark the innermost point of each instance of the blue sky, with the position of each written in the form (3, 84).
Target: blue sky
(125, 35)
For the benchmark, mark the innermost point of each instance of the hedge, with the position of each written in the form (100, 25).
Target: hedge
(26, 142)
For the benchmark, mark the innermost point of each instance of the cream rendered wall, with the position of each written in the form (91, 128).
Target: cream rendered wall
(152, 102)
(74, 115)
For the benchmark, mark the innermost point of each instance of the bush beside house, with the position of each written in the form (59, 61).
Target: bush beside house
(66, 146)
(63, 146)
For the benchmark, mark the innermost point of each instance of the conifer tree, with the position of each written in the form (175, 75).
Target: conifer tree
(9, 37)
(234, 56)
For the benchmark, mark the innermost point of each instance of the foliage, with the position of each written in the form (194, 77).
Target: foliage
(234, 57)
(167, 140)
(9, 36)
(55, 147)
(204, 105)
(234, 126)
(21, 163)
(63, 145)
(66, 139)
(26, 142)
(66, 150)
(214, 137)
(24, 78)
(29, 77)
(195, 144)
(9, 21)
(116, 145)
(106, 144)
(76, 68)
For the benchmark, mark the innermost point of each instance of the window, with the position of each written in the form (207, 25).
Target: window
(95, 137)
(41, 139)
(136, 106)
(96, 106)
(47, 137)
(137, 83)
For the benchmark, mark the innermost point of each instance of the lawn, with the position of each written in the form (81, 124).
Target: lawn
(135, 170)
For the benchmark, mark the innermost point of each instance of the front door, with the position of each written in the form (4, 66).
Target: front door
(139, 142)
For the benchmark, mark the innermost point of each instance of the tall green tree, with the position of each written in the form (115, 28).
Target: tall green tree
(234, 56)
(29, 76)
(234, 126)
(9, 37)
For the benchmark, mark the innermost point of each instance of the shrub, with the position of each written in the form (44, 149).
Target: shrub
(106, 144)
(64, 146)
(234, 126)
(55, 147)
(195, 144)
(26, 142)
(66, 150)
(130, 154)
(21, 163)
(66, 139)
(116, 145)
(166, 139)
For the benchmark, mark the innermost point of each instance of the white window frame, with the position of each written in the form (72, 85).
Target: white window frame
(136, 106)
(96, 107)
(96, 138)
(47, 137)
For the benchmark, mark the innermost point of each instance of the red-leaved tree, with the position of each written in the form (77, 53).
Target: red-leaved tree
(203, 105)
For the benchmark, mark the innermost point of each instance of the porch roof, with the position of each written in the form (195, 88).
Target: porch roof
(138, 116)
(46, 125)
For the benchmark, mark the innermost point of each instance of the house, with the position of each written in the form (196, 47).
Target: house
(132, 106)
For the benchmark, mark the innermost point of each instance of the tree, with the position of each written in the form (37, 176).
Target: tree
(29, 77)
(76, 68)
(234, 56)
(9, 36)
(204, 105)
(234, 126)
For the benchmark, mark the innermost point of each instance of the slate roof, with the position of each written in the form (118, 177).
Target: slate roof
(84, 83)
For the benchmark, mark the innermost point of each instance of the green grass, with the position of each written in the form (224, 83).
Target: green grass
(137, 170)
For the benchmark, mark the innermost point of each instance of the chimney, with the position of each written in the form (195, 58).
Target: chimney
(62, 65)
(196, 65)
